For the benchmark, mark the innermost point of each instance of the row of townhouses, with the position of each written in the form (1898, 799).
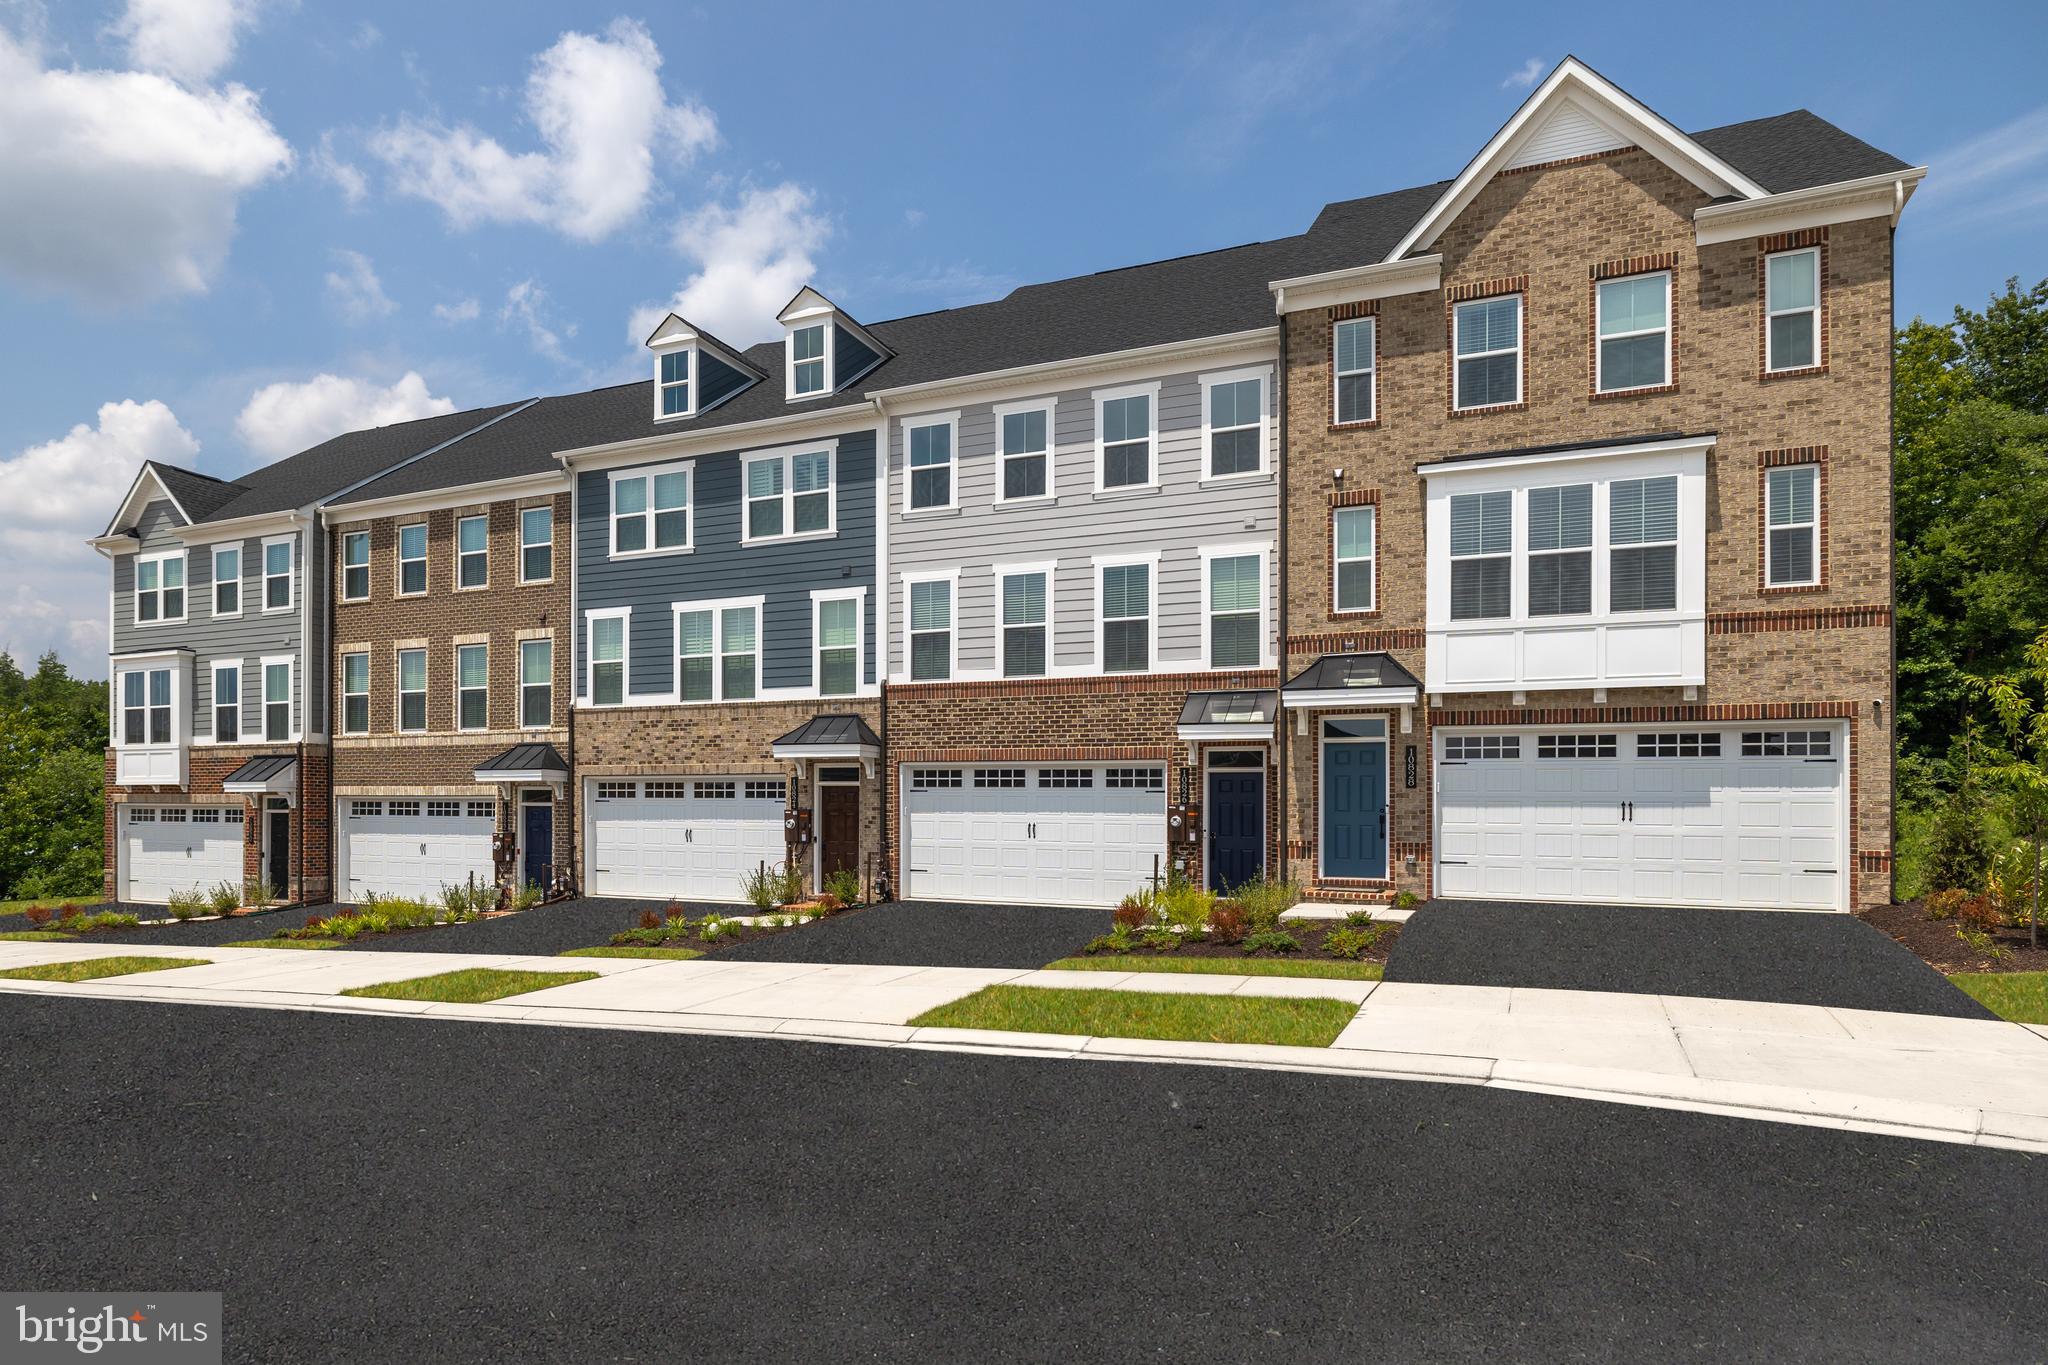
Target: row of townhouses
(1523, 535)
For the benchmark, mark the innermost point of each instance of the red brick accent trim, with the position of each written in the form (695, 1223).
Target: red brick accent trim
(1338, 642)
(1465, 293)
(1767, 460)
(1355, 497)
(1635, 265)
(1874, 615)
(1364, 308)
(1773, 459)
(1346, 312)
(1874, 860)
(1621, 269)
(1037, 753)
(1481, 289)
(1579, 160)
(1089, 686)
(1766, 247)
(1648, 715)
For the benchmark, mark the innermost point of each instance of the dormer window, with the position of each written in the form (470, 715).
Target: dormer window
(808, 362)
(824, 350)
(675, 377)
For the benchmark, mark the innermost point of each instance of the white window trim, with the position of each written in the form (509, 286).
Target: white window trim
(1812, 524)
(525, 544)
(787, 456)
(1264, 376)
(1337, 417)
(213, 702)
(1101, 397)
(690, 409)
(1600, 338)
(1215, 552)
(398, 693)
(649, 473)
(485, 518)
(623, 615)
(455, 679)
(950, 421)
(790, 329)
(950, 577)
(1771, 365)
(1337, 607)
(1047, 406)
(1605, 546)
(718, 606)
(135, 589)
(263, 576)
(181, 723)
(291, 688)
(1516, 554)
(1151, 618)
(346, 537)
(523, 684)
(1598, 575)
(1520, 352)
(426, 559)
(859, 597)
(341, 691)
(213, 554)
(1048, 567)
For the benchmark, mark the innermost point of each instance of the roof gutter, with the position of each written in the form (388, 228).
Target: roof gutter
(962, 385)
(1356, 284)
(490, 490)
(1846, 201)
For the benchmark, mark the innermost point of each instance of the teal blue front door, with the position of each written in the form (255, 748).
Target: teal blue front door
(1354, 808)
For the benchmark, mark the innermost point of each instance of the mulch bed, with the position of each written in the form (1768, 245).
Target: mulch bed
(1308, 933)
(1934, 941)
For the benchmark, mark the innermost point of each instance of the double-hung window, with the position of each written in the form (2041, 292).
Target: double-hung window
(675, 383)
(1634, 320)
(739, 652)
(355, 694)
(789, 495)
(1561, 550)
(608, 659)
(931, 630)
(930, 454)
(227, 703)
(1237, 427)
(807, 360)
(697, 655)
(536, 683)
(1792, 310)
(473, 552)
(160, 588)
(1355, 346)
(651, 511)
(472, 687)
(227, 580)
(355, 566)
(146, 706)
(536, 544)
(1126, 617)
(1026, 434)
(1024, 623)
(277, 699)
(1791, 495)
(1488, 333)
(1642, 536)
(718, 654)
(412, 559)
(412, 689)
(1124, 435)
(277, 574)
(1234, 614)
(1482, 563)
(1355, 530)
(838, 646)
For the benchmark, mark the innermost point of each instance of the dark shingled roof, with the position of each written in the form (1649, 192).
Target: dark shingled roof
(1334, 671)
(1795, 151)
(836, 730)
(261, 768)
(1601, 443)
(525, 758)
(1229, 708)
(199, 494)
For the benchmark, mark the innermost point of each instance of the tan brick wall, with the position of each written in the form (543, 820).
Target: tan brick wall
(1561, 228)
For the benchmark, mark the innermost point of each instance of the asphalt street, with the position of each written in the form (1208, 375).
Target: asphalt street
(396, 1190)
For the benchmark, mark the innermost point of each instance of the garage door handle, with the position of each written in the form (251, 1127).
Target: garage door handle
(1451, 862)
(1825, 871)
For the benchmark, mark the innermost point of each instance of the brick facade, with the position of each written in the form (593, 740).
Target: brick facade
(310, 836)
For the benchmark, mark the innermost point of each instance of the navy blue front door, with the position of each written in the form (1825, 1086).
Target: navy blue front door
(1355, 809)
(1236, 822)
(539, 834)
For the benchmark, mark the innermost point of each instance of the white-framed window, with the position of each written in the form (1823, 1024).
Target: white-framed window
(227, 701)
(929, 602)
(1471, 748)
(277, 699)
(1633, 318)
(472, 552)
(998, 778)
(355, 566)
(675, 376)
(536, 684)
(1792, 538)
(1642, 535)
(789, 494)
(536, 544)
(718, 650)
(810, 360)
(928, 446)
(1123, 437)
(160, 588)
(1792, 309)
(1354, 533)
(412, 690)
(1233, 424)
(277, 573)
(412, 560)
(1561, 550)
(934, 779)
(1025, 599)
(1024, 451)
(1488, 336)
(472, 687)
(1788, 744)
(1354, 361)
(1233, 607)
(355, 693)
(1679, 744)
(837, 625)
(766, 790)
(227, 580)
(1482, 559)
(1124, 615)
(609, 652)
(1576, 746)
(146, 711)
(652, 511)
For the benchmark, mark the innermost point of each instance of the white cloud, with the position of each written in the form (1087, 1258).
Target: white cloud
(913, 217)
(288, 417)
(526, 310)
(952, 285)
(1994, 177)
(355, 291)
(1525, 75)
(466, 310)
(345, 176)
(598, 105)
(190, 40)
(367, 36)
(122, 184)
(751, 258)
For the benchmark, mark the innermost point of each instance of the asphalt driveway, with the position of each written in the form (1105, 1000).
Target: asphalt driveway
(935, 934)
(1782, 957)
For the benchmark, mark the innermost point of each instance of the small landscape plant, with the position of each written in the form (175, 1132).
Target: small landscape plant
(844, 885)
(226, 898)
(2010, 882)
(185, 905)
(1271, 941)
(1228, 922)
(1944, 904)
(1980, 912)
(1132, 911)
(38, 916)
(649, 919)
(1358, 919)
(1185, 906)
(1978, 941)
(789, 885)
(76, 921)
(1406, 900)
(1264, 900)
(1118, 940)
(714, 927)
(760, 888)
(1161, 938)
(1351, 942)
(527, 896)
(256, 893)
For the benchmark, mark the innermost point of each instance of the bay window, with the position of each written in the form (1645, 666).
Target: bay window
(146, 706)
(1642, 533)
(1561, 550)
(1482, 544)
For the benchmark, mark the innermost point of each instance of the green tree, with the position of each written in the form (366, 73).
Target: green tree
(2021, 700)
(53, 734)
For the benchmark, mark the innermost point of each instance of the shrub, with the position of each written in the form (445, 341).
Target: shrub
(649, 920)
(1944, 904)
(789, 885)
(1227, 922)
(1352, 941)
(1358, 919)
(1406, 900)
(185, 905)
(38, 915)
(828, 902)
(760, 887)
(1132, 912)
(1264, 900)
(1161, 939)
(714, 927)
(1117, 940)
(2010, 881)
(845, 885)
(1980, 912)
(1185, 907)
(226, 898)
(1271, 941)
(528, 896)
(1958, 853)
(256, 893)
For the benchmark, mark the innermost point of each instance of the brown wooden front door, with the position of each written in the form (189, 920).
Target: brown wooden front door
(839, 829)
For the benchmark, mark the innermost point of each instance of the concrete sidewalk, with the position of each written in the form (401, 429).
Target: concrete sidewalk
(1957, 1080)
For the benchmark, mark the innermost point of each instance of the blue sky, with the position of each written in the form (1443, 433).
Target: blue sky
(240, 225)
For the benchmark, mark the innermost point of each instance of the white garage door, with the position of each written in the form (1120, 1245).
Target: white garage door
(175, 848)
(408, 847)
(1654, 817)
(683, 838)
(1031, 835)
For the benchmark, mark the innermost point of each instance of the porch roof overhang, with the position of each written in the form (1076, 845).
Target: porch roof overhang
(829, 736)
(1241, 716)
(1371, 680)
(524, 763)
(265, 775)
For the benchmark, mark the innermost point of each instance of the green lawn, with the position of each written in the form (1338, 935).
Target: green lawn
(1144, 1014)
(285, 943)
(470, 986)
(2019, 996)
(16, 907)
(91, 968)
(1327, 968)
(628, 950)
(35, 936)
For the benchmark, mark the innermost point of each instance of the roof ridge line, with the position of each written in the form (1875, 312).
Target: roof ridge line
(341, 493)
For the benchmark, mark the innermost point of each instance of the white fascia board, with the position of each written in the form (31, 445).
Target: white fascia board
(1258, 344)
(1369, 697)
(823, 751)
(116, 545)
(241, 528)
(787, 429)
(1677, 445)
(1357, 284)
(147, 471)
(497, 490)
(1260, 732)
(1873, 196)
(521, 776)
(168, 653)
